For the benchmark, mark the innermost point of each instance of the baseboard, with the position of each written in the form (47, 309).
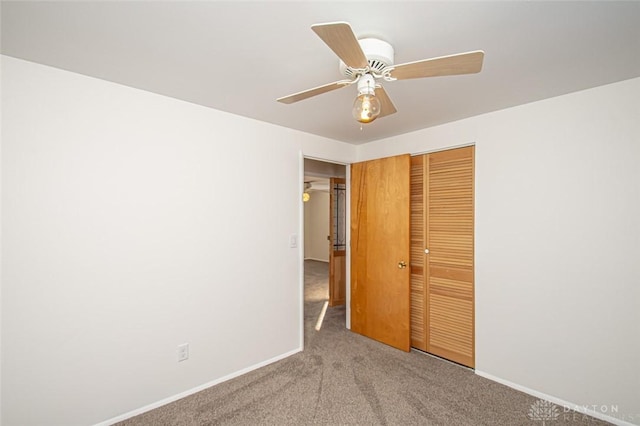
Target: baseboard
(317, 260)
(560, 402)
(197, 389)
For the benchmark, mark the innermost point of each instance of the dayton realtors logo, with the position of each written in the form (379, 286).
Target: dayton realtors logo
(544, 411)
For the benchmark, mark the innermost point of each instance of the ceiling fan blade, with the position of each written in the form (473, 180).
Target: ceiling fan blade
(386, 106)
(313, 92)
(462, 63)
(340, 38)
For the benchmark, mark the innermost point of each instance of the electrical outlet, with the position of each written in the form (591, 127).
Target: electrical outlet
(183, 352)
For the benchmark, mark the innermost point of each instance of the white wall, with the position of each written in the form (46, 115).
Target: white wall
(316, 226)
(557, 243)
(129, 227)
(126, 230)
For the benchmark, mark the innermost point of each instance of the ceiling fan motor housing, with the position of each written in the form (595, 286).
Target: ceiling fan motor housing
(379, 54)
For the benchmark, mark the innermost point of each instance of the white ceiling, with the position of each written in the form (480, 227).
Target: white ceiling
(240, 56)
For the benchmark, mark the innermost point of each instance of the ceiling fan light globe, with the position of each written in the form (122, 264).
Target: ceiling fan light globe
(366, 108)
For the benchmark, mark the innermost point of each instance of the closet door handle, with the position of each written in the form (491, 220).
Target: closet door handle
(402, 264)
(426, 251)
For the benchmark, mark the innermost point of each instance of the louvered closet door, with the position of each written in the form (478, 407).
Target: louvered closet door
(447, 291)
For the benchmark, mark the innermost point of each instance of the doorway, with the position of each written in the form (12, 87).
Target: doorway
(319, 255)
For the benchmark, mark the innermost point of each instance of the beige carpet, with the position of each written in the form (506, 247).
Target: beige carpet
(343, 378)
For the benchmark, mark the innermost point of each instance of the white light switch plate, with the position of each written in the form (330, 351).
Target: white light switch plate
(183, 352)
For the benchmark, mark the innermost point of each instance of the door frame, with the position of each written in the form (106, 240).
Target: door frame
(301, 174)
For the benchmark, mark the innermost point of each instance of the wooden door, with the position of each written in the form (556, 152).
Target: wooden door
(442, 296)
(380, 250)
(337, 241)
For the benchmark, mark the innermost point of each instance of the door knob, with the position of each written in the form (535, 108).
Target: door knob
(426, 251)
(402, 264)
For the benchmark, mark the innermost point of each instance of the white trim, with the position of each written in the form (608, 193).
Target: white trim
(325, 160)
(197, 389)
(557, 401)
(348, 251)
(301, 244)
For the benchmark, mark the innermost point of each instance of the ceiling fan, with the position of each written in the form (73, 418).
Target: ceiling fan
(367, 61)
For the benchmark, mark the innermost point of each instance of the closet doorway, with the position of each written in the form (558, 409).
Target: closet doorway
(419, 208)
(442, 254)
